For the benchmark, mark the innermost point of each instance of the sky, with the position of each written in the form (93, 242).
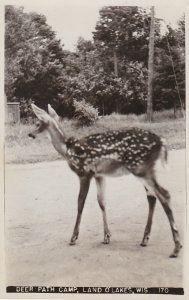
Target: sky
(71, 19)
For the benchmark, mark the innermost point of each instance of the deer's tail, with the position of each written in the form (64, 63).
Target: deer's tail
(164, 152)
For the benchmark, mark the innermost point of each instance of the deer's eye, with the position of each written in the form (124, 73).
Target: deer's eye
(37, 124)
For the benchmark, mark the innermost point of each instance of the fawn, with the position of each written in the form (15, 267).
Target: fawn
(113, 153)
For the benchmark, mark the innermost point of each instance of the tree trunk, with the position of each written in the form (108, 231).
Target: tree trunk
(103, 108)
(116, 73)
(150, 68)
(115, 64)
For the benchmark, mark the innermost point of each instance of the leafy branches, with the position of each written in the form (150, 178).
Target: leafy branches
(85, 113)
(33, 57)
(108, 73)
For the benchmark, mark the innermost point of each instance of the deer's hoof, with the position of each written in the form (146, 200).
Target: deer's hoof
(73, 240)
(72, 243)
(107, 238)
(106, 241)
(144, 242)
(176, 251)
(173, 255)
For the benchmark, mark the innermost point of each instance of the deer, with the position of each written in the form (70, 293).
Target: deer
(113, 153)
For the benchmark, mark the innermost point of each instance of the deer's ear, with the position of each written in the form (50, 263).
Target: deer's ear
(52, 113)
(40, 113)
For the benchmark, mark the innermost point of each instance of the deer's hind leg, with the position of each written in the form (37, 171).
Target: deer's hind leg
(164, 198)
(100, 183)
(151, 201)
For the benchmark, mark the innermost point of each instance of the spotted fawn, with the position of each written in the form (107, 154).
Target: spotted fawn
(112, 153)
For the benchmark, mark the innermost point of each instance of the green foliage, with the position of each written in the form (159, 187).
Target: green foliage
(123, 94)
(122, 28)
(20, 149)
(33, 57)
(110, 72)
(25, 109)
(169, 79)
(85, 113)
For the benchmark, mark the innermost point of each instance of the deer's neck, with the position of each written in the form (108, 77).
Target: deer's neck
(58, 138)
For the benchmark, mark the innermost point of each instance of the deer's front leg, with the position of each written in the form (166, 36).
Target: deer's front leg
(151, 202)
(100, 183)
(84, 188)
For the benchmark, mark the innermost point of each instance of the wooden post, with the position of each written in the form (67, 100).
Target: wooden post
(116, 74)
(150, 68)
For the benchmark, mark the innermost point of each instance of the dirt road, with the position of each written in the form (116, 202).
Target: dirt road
(41, 204)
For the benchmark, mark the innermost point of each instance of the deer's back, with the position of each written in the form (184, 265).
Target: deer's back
(114, 151)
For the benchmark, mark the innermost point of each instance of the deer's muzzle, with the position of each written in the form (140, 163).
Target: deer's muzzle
(32, 135)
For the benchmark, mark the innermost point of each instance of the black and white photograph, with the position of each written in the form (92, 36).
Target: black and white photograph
(94, 101)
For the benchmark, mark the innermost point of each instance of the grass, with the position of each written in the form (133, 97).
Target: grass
(19, 148)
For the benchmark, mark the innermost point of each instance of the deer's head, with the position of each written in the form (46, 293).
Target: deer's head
(44, 119)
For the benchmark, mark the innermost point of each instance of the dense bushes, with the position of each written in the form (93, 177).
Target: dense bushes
(85, 113)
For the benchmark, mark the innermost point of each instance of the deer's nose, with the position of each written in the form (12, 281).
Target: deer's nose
(31, 135)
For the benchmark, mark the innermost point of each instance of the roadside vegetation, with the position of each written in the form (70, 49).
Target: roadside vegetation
(100, 86)
(19, 148)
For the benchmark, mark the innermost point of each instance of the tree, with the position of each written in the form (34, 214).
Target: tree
(34, 58)
(122, 29)
(121, 36)
(102, 89)
(169, 81)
